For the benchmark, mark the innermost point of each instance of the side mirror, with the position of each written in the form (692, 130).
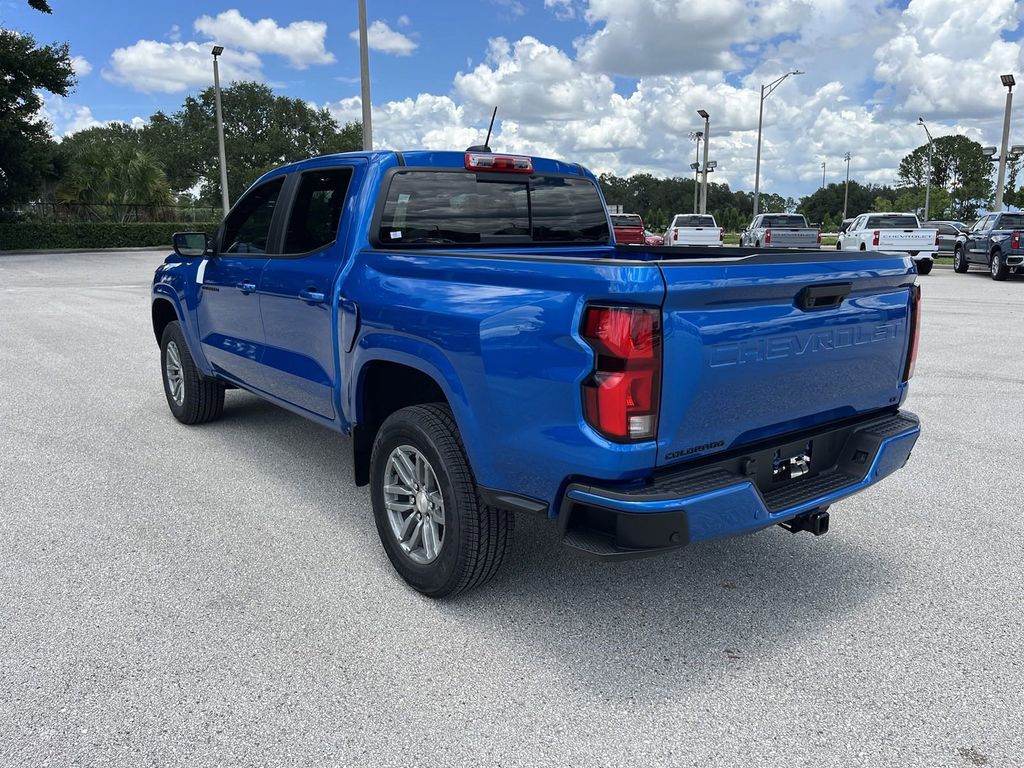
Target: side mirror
(189, 245)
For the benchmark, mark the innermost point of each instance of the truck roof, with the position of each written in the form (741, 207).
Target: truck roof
(426, 158)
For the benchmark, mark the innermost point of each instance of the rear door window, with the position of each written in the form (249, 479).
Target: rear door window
(464, 208)
(316, 213)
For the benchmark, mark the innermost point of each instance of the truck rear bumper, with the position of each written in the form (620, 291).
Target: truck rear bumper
(737, 494)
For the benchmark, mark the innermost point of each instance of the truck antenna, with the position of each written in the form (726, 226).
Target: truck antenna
(486, 146)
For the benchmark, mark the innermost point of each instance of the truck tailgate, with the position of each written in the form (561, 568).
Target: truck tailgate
(794, 238)
(697, 236)
(745, 358)
(906, 240)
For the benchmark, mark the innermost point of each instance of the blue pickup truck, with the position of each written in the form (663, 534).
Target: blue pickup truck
(468, 320)
(994, 242)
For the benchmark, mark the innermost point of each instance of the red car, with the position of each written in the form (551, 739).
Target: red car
(653, 239)
(629, 229)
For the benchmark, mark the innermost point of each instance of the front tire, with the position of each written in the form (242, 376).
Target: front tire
(192, 397)
(434, 528)
(998, 267)
(925, 266)
(960, 263)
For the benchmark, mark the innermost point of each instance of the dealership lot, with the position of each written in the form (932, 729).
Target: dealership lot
(217, 595)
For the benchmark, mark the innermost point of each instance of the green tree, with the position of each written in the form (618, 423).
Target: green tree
(25, 143)
(958, 166)
(826, 203)
(261, 131)
(113, 179)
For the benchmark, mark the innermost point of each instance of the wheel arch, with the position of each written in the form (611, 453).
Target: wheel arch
(164, 312)
(383, 387)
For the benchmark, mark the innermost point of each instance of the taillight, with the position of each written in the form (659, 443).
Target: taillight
(875, 237)
(767, 236)
(675, 234)
(1015, 240)
(622, 394)
(915, 331)
(819, 237)
(936, 237)
(721, 235)
(504, 163)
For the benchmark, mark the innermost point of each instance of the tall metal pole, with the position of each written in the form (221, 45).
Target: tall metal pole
(1003, 151)
(364, 76)
(928, 175)
(846, 194)
(822, 174)
(704, 186)
(757, 163)
(696, 177)
(220, 133)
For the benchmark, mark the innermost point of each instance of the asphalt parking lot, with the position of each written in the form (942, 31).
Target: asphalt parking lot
(217, 595)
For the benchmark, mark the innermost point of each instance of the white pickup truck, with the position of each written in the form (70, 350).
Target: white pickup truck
(694, 229)
(780, 230)
(892, 232)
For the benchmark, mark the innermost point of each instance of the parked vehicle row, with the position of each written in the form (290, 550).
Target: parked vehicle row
(467, 319)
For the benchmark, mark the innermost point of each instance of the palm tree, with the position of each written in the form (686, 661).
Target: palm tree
(115, 178)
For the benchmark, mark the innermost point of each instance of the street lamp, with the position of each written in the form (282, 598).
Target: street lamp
(928, 178)
(707, 137)
(364, 78)
(846, 194)
(766, 91)
(1009, 82)
(696, 136)
(217, 51)
(822, 174)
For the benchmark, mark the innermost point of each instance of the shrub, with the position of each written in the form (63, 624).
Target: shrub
(89, 235)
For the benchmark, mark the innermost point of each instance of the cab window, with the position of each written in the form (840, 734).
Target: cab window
(316, 213)
(247, 227)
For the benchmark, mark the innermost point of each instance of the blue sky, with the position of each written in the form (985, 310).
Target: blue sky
(614, 84)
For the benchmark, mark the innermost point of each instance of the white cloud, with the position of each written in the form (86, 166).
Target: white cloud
(381, 37)
(154, 67)
(81, 65)
(403, 21)
(301, 42)
(66, 117)
(563, 9)
(174, 34)
(514, 8)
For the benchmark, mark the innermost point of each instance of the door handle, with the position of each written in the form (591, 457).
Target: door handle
(246, 287)
(312, 296)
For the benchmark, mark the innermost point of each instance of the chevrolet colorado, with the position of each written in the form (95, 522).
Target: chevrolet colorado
(467, 319)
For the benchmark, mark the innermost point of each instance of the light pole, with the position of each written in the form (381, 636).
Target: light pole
(707, 138)
(846, 194)
(696, 136)
(217, 51)
(766, 91)
(928, 176)
(364, 77)
(1009, 82)
(822, 174)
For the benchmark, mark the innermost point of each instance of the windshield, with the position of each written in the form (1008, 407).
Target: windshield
(783, 221)
(893, 221)
(626, 220)
(693, 221)
(430, 207)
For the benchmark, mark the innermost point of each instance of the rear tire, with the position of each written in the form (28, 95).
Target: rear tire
(924, 266)
(469, 539)
(192, 397)
(960, 263)
(998, 267)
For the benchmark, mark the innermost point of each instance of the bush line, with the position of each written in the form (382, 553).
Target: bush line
(92, 234)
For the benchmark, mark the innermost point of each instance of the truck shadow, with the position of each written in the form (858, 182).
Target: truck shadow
(621, 630)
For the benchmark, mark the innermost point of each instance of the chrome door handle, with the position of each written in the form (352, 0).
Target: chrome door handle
(247, 287)
(313, 296)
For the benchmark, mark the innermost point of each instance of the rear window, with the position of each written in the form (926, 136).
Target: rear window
(693, 221)
(783, 221)
(1011, 221)
(626, 220)
(892, 222)
(438, 207)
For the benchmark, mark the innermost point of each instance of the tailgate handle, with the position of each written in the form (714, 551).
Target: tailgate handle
(823, 296)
